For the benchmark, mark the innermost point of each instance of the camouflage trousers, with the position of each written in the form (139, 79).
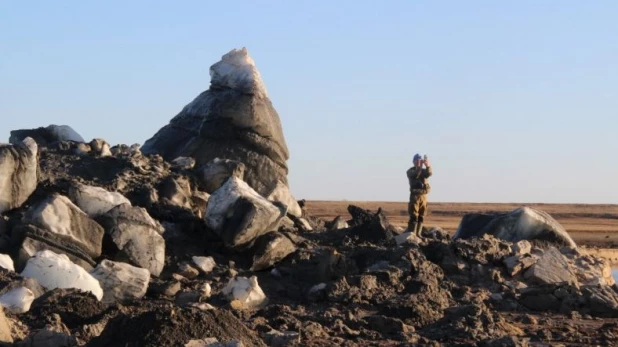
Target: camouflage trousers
(417, 208)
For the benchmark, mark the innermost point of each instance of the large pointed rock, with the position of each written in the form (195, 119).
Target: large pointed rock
(235, 120)
(524, 223)
(18, 173)
(240, 215)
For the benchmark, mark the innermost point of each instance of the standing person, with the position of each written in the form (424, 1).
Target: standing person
(419, 188)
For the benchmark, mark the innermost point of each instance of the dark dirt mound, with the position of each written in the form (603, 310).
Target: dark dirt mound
(470, 323)
(171, 326)
(59, 162)
(75, 308)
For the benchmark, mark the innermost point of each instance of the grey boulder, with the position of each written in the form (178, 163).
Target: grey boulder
(95, 201)
(552, 267)
(271, 249)
(523, 223)
(121, 282)
(18, 173)
(239, 215)
(137, 236)
(58, 225)
(282, 194)
(46, 135)
(216, 172)
(602, 300)
(176, 191)
(517, 263)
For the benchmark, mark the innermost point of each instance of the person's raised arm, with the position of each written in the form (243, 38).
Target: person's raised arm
(429, 170)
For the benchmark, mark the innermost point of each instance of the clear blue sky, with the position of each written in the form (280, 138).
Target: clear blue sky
(513, 101)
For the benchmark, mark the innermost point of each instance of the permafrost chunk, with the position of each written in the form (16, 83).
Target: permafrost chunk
(246, 291)
(57, 271)
(6, 262)
(17, 300)
(240, 215)
(95, 201)
(206, 264)
(237, 70)
(121, 281)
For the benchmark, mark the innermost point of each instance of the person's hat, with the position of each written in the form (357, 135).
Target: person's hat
(417, 157)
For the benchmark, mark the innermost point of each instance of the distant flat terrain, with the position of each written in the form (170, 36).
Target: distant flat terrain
(590, 225)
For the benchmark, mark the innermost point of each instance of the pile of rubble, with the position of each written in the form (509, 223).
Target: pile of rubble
(114, 246)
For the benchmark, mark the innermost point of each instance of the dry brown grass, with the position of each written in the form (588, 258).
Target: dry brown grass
(591, 225)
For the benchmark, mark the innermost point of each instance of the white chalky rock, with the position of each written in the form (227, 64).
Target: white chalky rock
(17, 300)
(205, 290)
(246, 291)
(95, 201)
(6, 262)
(237, 70)
(407, 237)
(53, 270)
(137, 236)
(121, 281)
(206, 264)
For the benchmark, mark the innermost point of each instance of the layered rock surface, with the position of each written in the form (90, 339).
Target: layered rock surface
(18, 173)
(240, 215)
(137, 237)
(121, 282)
(56, 224)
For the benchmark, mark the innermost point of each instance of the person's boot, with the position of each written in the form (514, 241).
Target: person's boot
(412, 227)
(419, 229)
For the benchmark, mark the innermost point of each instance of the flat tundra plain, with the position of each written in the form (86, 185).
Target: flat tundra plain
(589, 225)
